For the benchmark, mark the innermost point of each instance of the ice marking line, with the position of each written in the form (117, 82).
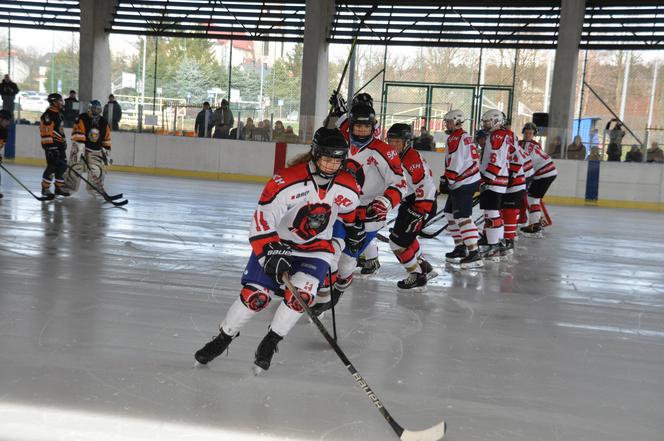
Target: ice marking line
(175, 235)
(341, 426)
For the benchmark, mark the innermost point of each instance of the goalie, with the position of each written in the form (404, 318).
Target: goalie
(93, 131)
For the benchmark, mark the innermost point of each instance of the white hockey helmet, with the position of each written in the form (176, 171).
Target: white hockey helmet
(493, 119)
(455, 115)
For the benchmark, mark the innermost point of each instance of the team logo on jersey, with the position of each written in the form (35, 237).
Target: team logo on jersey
(278, 180)
(311, 220)
(93, 135)
(355, 169)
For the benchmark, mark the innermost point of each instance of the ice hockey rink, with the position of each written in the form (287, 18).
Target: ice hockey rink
(102, 308)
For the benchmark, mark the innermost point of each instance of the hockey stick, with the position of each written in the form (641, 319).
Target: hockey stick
(431, 434)
(39, 198)
(106, 197)
(334, 317)
(114, 197)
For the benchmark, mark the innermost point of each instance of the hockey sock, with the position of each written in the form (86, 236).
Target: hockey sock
(510, 216)
(469, 233)
(453, 228)
(493, 226)
(236, 317)
(284, 319)
(535, 214)
(408, 256)
(371, 252)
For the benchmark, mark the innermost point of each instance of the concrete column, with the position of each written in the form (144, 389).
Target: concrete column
(94, 76)
(563, 87)
(313, 89)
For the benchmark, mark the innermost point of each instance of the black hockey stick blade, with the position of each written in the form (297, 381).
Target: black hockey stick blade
(39, 198)
(434, 433)
(115, 197)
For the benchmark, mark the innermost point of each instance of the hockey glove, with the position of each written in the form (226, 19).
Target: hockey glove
(378, 209)
(444, 185)
(338, 104)
(414, 220)
(355, 237)
(277, 260)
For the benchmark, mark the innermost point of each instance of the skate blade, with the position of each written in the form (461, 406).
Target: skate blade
(432, 275)
(533, 235)
(257, 370)
(478, 264)
(366, 276)
(456, 260)
(199, 365)
(416, 289)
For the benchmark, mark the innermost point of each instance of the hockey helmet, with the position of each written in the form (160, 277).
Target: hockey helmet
(401, 131)
(479, 135)
(493, 119)
(94, 108)
(529, 126)
(455, 115)
(328, 143)
(55, 98)
(362, 114)
(362, 98)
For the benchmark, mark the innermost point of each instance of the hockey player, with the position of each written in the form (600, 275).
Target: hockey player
(93, 131)
(377, 168)
(544, 173)
(494, 170)
(51, 127)
(514, 193)
(5, 120)
(460, 182)
(291, 231)
(415, 209)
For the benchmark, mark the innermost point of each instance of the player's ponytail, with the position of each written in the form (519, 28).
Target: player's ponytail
(301, 159)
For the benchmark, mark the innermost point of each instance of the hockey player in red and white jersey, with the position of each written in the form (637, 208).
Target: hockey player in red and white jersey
(494, 169)
(514, 194)
(460, 182)
(377, 168)
(416, 208)
(544, 173)
(291, 232)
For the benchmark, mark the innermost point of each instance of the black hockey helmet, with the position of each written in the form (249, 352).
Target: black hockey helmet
(94, 107)
(54, 98)
(480, 134)
(329, 143)
(362, 114)
(529, 126)
(401, 131)
(5, 114)
(363, 98)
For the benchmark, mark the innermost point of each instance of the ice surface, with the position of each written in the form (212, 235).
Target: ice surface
(101, 310)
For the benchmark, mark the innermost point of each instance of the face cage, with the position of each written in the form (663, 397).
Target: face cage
(319, 156)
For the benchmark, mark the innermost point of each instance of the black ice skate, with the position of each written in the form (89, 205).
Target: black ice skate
(414, 281)
(46, 192)
(266, 349)
(455, 256)
(491, 253)
(426, 268)
(533, 230)
(472, 260)
(370, 267)
(61, 191)
(214, 348)
(506, 249)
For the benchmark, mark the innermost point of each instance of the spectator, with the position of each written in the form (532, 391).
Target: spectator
(594, 140)
(634, 155)
(8, 91)
(613, 152)
(261, 132)
(71, 109)
(555, 148)
(616, 134)
(576, 150)
(203, 124)
(594, 154)
(655, 153)
(279, 132)
(291, 137)
(113, 112)
(223, 120)
(248, 130)
(424, 141)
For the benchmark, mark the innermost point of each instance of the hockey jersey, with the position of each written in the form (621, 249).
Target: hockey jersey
(516, 177)
(51, 128)
(293, 209)
(95, 133)
(494, 166)
(377, 169)
(543, 165)
(527, 161)
(419, 178)
(461, 160)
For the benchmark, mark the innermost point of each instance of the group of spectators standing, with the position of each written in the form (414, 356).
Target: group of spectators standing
(577, 149)
(219, 124)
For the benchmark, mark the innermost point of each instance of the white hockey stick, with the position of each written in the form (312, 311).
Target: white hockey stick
(434, 433)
